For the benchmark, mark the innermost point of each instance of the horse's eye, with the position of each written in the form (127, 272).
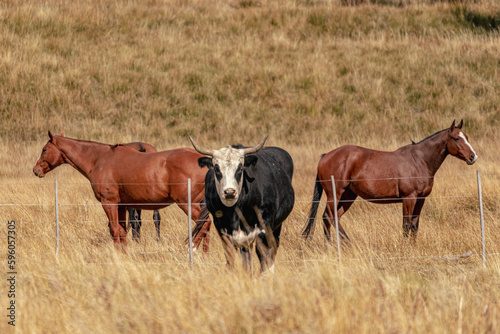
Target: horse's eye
(44, 150)
(456, 139)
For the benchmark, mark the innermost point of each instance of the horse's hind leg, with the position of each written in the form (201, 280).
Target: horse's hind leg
(327, 225)
(206, 238)
(201, 218)
(157, 219)
(345, 202)
(348, 197)
(134, 217)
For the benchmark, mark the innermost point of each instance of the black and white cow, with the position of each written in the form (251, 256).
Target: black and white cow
(248, 191)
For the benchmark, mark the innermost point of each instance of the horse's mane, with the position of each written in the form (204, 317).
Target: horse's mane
(413, 143)
(87, 141)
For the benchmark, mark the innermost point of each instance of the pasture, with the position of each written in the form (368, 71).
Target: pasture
(313, 75)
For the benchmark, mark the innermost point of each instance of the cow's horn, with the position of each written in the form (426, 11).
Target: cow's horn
(254, 149)
(201, 149)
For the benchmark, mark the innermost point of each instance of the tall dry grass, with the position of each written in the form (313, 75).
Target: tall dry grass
(314, 75)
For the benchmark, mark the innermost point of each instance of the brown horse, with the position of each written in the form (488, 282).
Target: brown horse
(122, 177)
(134, 215)
(405, 175)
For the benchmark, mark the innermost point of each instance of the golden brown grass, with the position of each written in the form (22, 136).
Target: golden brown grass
(312, 74)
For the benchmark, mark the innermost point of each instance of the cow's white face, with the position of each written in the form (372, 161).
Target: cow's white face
(228, 165)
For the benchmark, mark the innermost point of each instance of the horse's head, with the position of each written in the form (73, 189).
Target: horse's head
(50, 158)
(458, 144)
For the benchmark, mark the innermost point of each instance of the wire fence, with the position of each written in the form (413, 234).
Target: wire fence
(476, 236)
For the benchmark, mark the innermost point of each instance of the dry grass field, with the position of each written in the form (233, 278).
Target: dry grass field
(313, 75)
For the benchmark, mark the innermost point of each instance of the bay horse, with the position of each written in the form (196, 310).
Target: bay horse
(135, 215)
(123, 177)
(405, 176)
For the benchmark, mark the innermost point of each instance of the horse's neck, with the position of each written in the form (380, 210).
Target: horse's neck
(433, 150)
(81, 155)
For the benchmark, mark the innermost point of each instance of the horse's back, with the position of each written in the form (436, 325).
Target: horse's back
(150, 177)
(178, 161)
(341, 161)
(352, 158)
(372, 173)
(141, 147)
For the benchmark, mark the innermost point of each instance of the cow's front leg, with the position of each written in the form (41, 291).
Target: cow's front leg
(246, 255)
(228, 251)
(266, 252)
(267, 241)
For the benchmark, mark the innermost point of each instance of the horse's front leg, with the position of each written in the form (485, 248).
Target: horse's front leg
(117, 225)
(122, 220)
(408, 207)
(415, 218)
(157, 219)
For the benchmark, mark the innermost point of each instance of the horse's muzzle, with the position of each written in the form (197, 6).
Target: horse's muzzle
(472, 159)
(38, 173)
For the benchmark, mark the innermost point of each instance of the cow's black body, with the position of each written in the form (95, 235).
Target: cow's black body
(267, 186)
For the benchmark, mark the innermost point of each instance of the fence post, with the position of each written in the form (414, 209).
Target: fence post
(57, 221)
(481, 217)
(334, 190)
(189, 225)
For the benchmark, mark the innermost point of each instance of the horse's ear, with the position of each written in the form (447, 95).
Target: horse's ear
(62, 134)
(452, 126)
(51, 136)
(461, 123)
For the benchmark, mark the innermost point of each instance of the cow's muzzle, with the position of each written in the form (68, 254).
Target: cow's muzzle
(230, 194)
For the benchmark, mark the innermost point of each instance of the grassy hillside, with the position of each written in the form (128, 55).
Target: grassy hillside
(111, 70)
(313, 75)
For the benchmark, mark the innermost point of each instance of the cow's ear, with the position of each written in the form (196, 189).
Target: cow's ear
(205, 162)
(250, 160)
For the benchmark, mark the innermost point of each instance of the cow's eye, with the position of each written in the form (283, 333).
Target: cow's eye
(239, 170)
(218, 173)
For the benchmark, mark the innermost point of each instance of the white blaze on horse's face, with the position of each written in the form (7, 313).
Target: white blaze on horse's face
(228, 169)
(473, 156)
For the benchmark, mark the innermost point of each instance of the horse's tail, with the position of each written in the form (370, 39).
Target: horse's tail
(318, 191)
